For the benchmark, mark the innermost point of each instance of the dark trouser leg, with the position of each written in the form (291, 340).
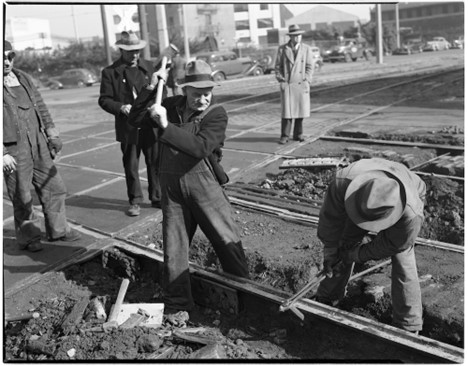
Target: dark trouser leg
(27, 224)
(285, 127)
(130, 159)
(213, 213)
(297, 133)
(51, 191)
(150, 151)
(178, 227)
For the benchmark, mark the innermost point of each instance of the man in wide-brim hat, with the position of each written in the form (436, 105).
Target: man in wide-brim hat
(382, 197)
(191, 131)
(121, 83)
(294, 68)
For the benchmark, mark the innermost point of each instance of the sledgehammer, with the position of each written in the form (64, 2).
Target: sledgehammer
(112, 319)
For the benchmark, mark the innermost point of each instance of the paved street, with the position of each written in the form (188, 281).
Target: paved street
(91, 167)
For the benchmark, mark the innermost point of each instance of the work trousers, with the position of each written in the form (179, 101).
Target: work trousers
(190, 200)
(131, 161)
(286, 128)
(36, 167)
(405, 292)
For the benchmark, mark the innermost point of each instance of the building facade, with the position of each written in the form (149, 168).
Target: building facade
(425, 20)
(324, 17)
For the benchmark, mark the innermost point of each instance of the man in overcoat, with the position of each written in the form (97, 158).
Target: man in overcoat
(121, 83)
(294, 68)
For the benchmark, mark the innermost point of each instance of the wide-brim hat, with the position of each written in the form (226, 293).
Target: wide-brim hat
(198, 75)
(294, 30)
(375, 200)
(129, 41)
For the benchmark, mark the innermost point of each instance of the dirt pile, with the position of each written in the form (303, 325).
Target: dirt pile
(444, 208)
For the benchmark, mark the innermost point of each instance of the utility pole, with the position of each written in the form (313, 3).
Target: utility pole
(106, 35)
(74, 24)
(378, 15)
(397, 24)
(186, 40)
(144, 30)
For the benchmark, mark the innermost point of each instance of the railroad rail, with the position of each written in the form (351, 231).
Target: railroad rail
(406, 346)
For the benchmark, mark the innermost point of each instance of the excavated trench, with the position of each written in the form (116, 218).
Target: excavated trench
(282, 253)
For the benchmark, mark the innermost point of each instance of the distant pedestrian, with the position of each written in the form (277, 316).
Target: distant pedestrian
(176, 71)
(30, 143)
(121, 83)
(294, 68)
(384, 197)
(191, 130)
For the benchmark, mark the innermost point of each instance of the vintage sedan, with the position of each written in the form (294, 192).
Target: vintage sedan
(73, 78)
(227, 63)
(437, 44)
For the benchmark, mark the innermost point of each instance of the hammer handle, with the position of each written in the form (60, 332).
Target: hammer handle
(159, 92)
(120, 297)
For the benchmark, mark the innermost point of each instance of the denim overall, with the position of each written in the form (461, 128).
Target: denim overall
(191, 196)
(35, 165)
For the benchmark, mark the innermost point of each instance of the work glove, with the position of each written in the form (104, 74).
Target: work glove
(55, 146)
(330, 258)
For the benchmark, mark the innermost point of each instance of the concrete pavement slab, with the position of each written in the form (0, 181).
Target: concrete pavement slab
(104, 208)
(19, 264)
(234, 161)
(108, 158)
(86, 131)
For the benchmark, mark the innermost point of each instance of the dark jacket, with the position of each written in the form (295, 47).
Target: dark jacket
(210, 137)
(335, 226)
(116, 91)
(10, 113)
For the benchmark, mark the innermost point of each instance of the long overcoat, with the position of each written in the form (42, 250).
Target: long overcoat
(295, 77)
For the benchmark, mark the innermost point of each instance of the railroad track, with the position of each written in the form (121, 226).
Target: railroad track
(293, 208)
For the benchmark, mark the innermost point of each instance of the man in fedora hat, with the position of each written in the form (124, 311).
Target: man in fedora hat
(191, 131)
(121, 83)
(294, 68)
(30, 143)
(384, 197)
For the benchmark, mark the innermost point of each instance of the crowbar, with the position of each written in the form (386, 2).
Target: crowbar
(289, 304)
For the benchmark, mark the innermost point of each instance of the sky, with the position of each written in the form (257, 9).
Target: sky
(84, 20)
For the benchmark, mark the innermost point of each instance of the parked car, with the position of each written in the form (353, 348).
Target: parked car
(226, 63)
(266, 58)
(318, 59)
(73, 78)
(459, 43)
(349, 50)
(437, 44)
(408, 49)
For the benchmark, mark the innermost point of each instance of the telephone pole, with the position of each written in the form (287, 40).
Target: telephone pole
(106, 34)
(144, 30)
(378, 16)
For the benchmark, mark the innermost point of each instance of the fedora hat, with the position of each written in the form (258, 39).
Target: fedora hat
(375, 200)
(294, 30)
(129, 41)
(198, 75)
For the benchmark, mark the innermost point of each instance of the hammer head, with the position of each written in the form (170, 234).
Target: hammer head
(108, 326)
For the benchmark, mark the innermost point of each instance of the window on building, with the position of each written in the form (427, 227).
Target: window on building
(242, 25)
(429, 10)
(456, 8)
(263, 6)
(238, 8)
(245, 40)
(419, 12)
(445, 9)
(265, 23)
